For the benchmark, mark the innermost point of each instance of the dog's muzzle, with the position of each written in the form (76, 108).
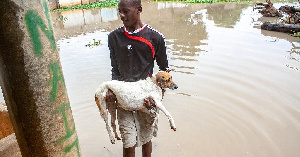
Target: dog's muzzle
(174, 86)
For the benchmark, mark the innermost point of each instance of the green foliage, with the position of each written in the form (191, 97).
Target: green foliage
(201, 1)
(95, 43)
(296, 34)
(101, 4)
(216, 1)
(62, 18)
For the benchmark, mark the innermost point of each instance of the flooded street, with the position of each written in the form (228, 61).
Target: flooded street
(238, 85)
(238, 92)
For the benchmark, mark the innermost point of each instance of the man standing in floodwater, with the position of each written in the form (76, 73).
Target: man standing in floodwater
(133, 49)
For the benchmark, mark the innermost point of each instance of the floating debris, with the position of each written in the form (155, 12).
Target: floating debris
(95, 43)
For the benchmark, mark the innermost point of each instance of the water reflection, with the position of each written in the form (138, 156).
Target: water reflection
(77, 22)
(180, 23)
(184, 31)
(225, 15)
(238, 85)
(294, 56)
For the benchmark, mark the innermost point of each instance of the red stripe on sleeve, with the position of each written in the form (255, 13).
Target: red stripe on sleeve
(142, 40)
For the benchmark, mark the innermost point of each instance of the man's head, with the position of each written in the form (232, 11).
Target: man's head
(129, 11)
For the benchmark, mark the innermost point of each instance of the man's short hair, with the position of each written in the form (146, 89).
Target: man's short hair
(137, 3)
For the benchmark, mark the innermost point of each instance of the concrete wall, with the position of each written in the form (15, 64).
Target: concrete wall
(76, 22)
(55, 4)
(68, 3)
(32, 81)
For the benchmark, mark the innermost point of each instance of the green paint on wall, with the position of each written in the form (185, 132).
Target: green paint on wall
(69, 132)
(75, 143)
(33, 22)
(57, 76)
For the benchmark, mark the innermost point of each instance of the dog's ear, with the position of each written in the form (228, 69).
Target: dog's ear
(160, 79)
(169, 70)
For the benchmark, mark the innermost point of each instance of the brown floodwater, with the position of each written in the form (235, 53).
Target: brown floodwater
(238, 92)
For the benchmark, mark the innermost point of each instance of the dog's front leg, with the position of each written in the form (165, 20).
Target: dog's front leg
(112, 108)
(164, 110)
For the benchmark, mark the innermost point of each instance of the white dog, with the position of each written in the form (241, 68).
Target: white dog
(131, 96)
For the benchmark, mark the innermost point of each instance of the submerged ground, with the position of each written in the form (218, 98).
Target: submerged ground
(238, 85)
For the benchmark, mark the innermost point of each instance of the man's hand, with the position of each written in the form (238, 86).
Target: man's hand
(149, 103)
(110, 96)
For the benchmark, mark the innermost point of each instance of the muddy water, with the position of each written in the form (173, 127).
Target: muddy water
(238, 85)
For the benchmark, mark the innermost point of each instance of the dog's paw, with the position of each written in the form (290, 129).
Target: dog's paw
(118, 138)
(113, 141)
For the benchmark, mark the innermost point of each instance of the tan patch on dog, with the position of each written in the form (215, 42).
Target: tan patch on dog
(164, 79)
(97, 102)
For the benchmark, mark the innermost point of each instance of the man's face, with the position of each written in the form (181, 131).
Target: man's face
(128, 13)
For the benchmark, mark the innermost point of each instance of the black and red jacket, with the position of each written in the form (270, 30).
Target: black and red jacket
(133, 54)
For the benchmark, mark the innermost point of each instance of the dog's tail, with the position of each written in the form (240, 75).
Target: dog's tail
(97, 102)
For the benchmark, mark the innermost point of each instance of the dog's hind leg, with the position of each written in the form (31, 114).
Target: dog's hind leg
(112, 108)
(111, 137)
(104, 115)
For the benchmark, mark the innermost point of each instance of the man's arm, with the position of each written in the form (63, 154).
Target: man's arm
(110, 96)
(162, 62)
(161, 54)
(114, 71)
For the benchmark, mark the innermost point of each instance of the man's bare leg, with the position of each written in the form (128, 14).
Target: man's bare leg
(129, 152)
(147, 149)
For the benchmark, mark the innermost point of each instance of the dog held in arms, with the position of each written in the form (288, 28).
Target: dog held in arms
(131, 95)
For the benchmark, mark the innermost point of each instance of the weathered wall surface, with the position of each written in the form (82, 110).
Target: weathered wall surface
(55, 4)
(68, 3)
(76, 22)
(32, 81)
(9, 147)
(6, 127)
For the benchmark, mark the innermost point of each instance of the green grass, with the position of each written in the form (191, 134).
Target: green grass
(216, 1)
(200, 1)
(296, 34)
(101, 4)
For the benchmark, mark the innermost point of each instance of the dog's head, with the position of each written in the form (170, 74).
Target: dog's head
(164, 80)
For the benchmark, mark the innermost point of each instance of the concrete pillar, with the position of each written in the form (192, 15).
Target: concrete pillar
(32, 81)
